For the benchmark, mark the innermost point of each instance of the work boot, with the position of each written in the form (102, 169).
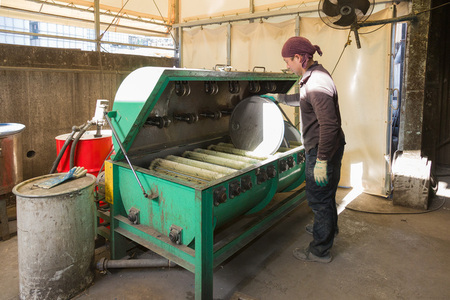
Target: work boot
(306, 255)
(309, 229)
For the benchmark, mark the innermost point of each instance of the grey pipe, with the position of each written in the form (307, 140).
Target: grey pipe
(104, 264)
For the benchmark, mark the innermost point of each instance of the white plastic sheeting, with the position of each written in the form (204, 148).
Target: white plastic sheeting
(204, 47)
(361, 77)
(362, 80)
(259, 44)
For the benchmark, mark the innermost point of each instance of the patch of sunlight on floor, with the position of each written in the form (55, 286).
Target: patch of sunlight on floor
(443, 189)
(352, 195)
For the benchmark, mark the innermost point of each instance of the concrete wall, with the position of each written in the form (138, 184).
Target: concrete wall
(411, 172)
(50, 90)
(411, 116)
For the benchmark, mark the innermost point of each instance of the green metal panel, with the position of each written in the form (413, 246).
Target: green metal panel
(171, 206)
(293, 177)
(175, 203)
(272, 189)
(257, 226)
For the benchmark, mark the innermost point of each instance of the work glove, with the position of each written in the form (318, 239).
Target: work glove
(320, 172)
(75, 172)
(79, 172)
(271, 97)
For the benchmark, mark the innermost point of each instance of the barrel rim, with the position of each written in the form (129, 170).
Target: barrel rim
(18, 186)
(14, 128)
(88, 135)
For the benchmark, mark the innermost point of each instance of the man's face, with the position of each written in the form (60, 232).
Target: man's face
(294, 64)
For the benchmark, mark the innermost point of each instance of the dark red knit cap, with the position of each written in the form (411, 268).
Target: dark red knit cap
(302, 46)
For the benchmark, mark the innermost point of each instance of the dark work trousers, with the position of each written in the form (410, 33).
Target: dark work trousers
(322, 201)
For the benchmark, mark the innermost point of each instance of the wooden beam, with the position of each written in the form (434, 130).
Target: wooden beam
(247, 16)
(262, 8)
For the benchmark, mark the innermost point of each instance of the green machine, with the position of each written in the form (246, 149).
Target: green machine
(178, 185)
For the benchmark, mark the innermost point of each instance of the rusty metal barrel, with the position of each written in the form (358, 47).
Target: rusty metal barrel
(10, 168)
(10, 156)
(55, 232)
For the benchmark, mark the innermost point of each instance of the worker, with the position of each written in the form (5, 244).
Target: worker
(323, 140)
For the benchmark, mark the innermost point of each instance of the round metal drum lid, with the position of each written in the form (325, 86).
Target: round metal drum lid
(29, 188)
(10, 128)
(257, 125)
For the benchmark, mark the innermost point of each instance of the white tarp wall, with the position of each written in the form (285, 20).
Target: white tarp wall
(361, 77)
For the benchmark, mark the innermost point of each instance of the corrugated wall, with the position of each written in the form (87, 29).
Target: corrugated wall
(51, 90)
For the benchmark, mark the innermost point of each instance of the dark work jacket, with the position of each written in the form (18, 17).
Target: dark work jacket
(319, 107)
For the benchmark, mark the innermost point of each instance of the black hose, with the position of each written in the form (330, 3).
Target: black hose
(63, 149)
(75, 142)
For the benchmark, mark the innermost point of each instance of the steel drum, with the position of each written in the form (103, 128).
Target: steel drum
(257, 125)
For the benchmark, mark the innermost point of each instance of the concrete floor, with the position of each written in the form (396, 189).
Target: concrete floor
(376, 256)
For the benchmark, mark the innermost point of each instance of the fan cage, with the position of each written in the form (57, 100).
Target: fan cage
(343, 5)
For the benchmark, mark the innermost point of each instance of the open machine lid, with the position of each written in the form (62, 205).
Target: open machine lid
(156, 108)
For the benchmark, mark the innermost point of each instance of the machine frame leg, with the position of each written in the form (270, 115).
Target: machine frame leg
(204, 249)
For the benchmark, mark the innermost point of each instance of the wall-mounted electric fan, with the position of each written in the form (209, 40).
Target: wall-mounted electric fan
(344, 14)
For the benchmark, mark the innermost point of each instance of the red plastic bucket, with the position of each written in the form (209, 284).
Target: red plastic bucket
(90, 151)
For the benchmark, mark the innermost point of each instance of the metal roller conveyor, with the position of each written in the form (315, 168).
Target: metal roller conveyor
(284, 149)
(226, 145)
(230, 145)
(198, 168)
(203, 165)
(226, 162)
(295, 143)
(189, 166)
(228, 155)
(182, 177)
(185, 169)
(245, 153)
